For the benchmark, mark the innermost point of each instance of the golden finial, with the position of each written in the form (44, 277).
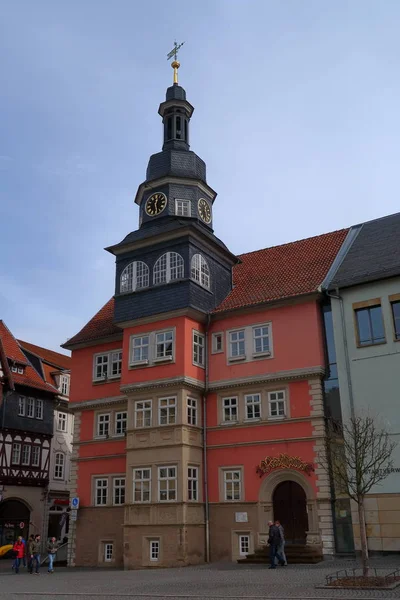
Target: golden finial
(175, 63)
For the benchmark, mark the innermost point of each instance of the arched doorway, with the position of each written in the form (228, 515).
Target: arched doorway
(290, 507)
(14, 521)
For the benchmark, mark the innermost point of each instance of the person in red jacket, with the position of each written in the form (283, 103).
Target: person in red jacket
(19, 550)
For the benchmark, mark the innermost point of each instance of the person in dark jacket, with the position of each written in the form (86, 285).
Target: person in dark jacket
(35, 555)
(281, 547)
(19, 550)
(29, 548)
(52, 548)
(274, 540)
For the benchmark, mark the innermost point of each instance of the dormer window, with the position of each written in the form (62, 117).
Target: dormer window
(169, 267)
(17, 369)
(64, 385)
(200, 271)
(134, 277)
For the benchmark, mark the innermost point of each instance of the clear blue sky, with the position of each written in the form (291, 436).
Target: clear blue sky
(296, 114)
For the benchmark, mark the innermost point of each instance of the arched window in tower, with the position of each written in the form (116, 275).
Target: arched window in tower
(134, 277)
(200, 270)
(168, 267)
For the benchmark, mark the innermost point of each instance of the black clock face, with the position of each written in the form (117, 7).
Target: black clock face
(204, 210)
(156, 204)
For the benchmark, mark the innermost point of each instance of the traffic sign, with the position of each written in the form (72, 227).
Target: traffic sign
(75, 503)
(21, 525)
(73, 515)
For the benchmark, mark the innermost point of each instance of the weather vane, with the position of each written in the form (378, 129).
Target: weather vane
(175, 63)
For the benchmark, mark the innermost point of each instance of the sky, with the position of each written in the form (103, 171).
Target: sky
(296, 115)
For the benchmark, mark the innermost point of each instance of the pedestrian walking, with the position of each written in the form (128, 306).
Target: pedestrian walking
(281, 547)
(24, 558)
(29, 549)
(273, 541)
(35, 555)
(52, 548)
(19, 550)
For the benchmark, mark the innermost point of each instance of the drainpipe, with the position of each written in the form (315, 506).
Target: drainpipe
(206, 503)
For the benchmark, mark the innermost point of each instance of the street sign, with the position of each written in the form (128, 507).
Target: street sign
(21, 525)
(75, 503)
(73, 515)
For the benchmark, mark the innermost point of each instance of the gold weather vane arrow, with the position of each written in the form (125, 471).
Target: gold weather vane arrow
(175, 63)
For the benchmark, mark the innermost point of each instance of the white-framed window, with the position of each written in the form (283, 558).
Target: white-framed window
(237, 346)
(167, 484)
(116, 363)
(244, 545)
(143, 413)
(169, 267)
(64, 385)
(16, 453)
(108, 551)
(198, 349)
(101, 492)
(61, 421)
(200, 271)
(167, 411)
(182, 208)
(134, 277)
(100, 367)
(140, 349)
(39, 409)
(217, 344)
(277, 404)
(20, 370)
(253, 406)
(21, 406)
(192, 411)
(26, 454)
(230, 410)
(261, 339)
(31, 408)
(103, 425)
(35, 456)
(193, 484)
(14, 369)
(59, 465)
(141, 485)
(120, 422)
(107, 365)
(164, 345)
(232, 485)
(154, 550)
(119, 490)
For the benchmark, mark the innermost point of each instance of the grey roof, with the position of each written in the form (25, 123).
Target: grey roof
(374, 253)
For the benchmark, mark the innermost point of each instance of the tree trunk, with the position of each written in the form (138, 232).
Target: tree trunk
(363, 537)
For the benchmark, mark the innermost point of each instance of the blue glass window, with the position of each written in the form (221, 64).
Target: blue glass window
(370, 326)
(396, 319)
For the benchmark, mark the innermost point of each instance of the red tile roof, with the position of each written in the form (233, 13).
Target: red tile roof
(100, 326)
(283, 271)
(49, 356)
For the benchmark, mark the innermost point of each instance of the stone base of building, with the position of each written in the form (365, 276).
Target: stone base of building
(22, 512)
(382, 516)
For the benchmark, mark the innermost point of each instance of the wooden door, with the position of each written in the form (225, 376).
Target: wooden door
(290, 507)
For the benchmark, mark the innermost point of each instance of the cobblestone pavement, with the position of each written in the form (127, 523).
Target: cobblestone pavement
(206, 582)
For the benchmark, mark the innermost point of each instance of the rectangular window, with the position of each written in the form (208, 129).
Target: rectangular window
(140, 349)
(16, 454)
(59, 466)
(277, 405)
(103, 425)
(193, 483)
(143, 413)
(396, 318)
(167, 411)
(236, 344)
(21, 370)
(101, 492)
(108, 552)
(101, 367)
(39, 409)
(116, 364)
(230, 409)
(21, 406)
(31, 408)
(26, 454)
(182, 208)
(119, 490)
(120, 423)
(64, 385)
(61, 421)
(261, 343)
(192, 411)
(253, 406)
(14, 369)
(198, 349)
(164, 345)
(217, 343)
(35, 456)
(370, 328)
(107, 365)
(232, 485)
(244, 545)
(167, 484)
(141, 485)
(154, 550)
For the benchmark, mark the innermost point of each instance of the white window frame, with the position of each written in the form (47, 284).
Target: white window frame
(237, 342)
(135, 276)
(116, 359)
(277, 397)
(183, 207)
(107, 372)
(39, 409)
(108, 551)
(30, 411)
(59, 466)
(244, 542)
(145, 410)
(230, 480)
(62, 421)
(20, 370)
(64, 385)
(170, 406)
(144, 354)
(26, 455)
(214, 345)
(154, 546)
(35, 455)
(121, 416)
(192, 413)
(118, 490)
(227, 409)
(193, 483)
(251, 401)
(141, 479)
(169, 478)
(99, 487)
(262, 337)
(169, 272)
(14, 369)
(199, 349)
(16, 451)
(103, 421)
(200, 271)
(21, 406)
(164, 342)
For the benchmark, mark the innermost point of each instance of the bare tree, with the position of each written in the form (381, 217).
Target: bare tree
(359, 457)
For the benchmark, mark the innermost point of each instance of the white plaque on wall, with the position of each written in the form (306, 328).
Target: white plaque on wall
(241, 517)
